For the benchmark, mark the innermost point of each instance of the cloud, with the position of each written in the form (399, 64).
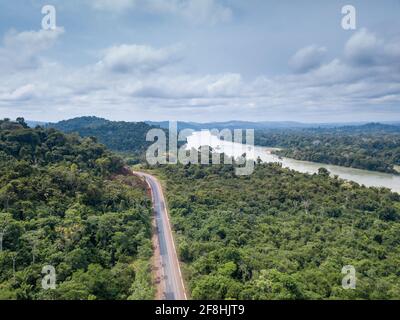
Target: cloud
(187, 87)
(366, 49)
(23, 93)
(138, 58)
(138, 82)
(228, 85)
(117, 6)
(21, 50)
(308, 58)
(193, 11)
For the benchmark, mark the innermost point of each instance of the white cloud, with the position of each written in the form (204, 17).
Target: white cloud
(226, 85)
(138, 58)
(193, 11)
(21, 50)
(138, 81)
(187, 86)
(364, 48)
(308, 58)
(25, 92)
(113, 5)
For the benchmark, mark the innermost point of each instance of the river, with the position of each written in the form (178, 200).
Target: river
(363, 177)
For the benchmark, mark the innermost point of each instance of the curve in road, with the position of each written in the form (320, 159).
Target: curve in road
(174, 286)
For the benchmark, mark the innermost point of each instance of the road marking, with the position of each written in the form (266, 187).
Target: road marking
(150, 180)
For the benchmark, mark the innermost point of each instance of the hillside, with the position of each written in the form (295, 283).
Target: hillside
(129, 137)
(64, 203)
(372, 146)
(274, 125)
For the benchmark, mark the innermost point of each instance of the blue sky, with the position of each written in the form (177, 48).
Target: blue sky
(201, 60)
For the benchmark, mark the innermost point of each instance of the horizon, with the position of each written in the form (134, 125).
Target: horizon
(223, 122)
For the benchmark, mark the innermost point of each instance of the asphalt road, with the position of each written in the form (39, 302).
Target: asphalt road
(174, 287)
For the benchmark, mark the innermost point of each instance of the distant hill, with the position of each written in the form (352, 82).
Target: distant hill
(130, 137)
(373, 146)
(94, 122)
(231, 125)
(80, 123)
(371, 128)
(33, 124)
(117, 135)
(264, 125)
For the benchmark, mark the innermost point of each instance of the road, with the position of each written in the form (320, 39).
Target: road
(173, 281)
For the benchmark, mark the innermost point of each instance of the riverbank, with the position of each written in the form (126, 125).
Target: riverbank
(360, 176)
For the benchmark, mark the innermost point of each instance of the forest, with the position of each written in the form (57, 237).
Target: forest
(373, 146)
(120, 136)
(66, 202)
(280, 234)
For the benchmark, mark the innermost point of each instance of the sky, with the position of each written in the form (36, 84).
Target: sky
(200, 60)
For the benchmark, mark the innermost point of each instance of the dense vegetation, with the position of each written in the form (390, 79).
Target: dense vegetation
(118, 136)
(276, 234)
(280, 234)
(372, 147)
(63, 202)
